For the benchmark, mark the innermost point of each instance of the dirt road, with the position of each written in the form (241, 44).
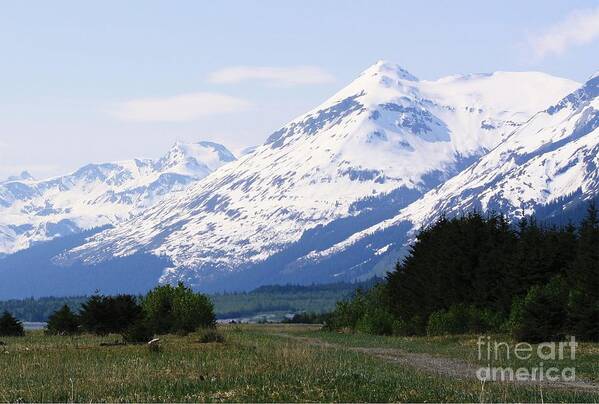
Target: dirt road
(444, 366)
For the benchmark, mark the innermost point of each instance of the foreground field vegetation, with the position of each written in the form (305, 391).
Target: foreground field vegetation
(465, 347)
(254, 363)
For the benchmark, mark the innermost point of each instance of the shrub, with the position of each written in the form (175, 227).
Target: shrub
(10, 326)
(376, 321)
(109, 314)
(342, 316)
(461, 319)
(404, 328)
(139, 332)
(483, 320)
(542, 314)
(63, 322)
(178, 309)
(583, 315)
(362, 312)
(447, 322)
(210, 335)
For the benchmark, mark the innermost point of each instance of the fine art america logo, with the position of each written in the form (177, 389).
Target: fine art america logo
(490, 351)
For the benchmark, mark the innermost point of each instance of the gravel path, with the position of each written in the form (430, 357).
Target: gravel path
(444, 366)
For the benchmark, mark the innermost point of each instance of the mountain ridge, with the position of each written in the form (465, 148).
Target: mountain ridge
(373, 148)
(547, 167)
(98, 193)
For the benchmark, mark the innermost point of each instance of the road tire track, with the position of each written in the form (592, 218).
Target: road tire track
(449, 367)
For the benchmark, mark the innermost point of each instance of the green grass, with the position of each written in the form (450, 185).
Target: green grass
(252, 365)
(465, 347)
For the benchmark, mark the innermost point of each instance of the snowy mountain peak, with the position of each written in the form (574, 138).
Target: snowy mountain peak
(202, 157)
(223, 153)
(390, 70)
(24, 176)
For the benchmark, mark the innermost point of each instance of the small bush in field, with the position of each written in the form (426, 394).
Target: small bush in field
(376, 321)
(177, 310)
(210, 335)
(139, 332)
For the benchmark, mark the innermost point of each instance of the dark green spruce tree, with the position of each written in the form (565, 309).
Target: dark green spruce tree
(63, 322)
(583, 303)
(10, 326)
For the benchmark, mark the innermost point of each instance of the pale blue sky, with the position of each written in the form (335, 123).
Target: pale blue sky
(82, 82)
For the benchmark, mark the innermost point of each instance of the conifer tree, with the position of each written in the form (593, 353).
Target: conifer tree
(109, 314)
(546, 279)
(63, 321)
(584, 277)
(10, 326)
(542, 315)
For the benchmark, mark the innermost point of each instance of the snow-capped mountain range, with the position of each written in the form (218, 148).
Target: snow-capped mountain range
(294, 208)
(546, 167)
(98, 194)
(554, 156)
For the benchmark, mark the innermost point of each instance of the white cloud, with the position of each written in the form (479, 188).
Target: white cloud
(179, 108)
(578, 28)
(286, 76)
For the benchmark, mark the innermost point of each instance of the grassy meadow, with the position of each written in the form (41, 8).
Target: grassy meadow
(464, 347)
(255, 363)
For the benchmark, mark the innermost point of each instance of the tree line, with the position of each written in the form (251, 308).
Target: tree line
(291, 298)
(478, 273)
(165, 309)
(40, 309)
